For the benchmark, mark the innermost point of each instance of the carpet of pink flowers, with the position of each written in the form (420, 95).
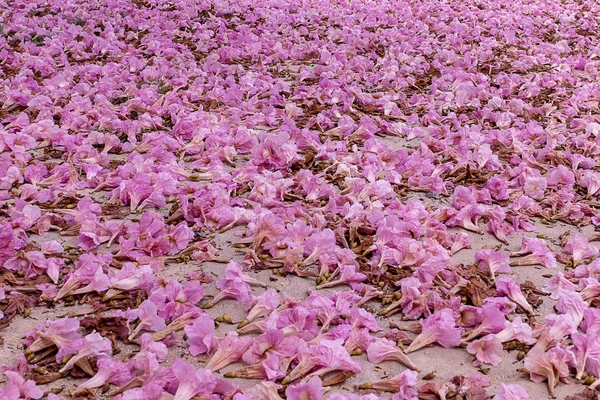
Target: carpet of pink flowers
(409, 166)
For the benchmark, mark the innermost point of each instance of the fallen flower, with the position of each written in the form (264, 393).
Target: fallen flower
(62, 333)
(93, 345)
(402, 384)
(516, 330)
(114, 371)
(192, 382)
(311, 390)
(493, 261)
(580, 248)
(558, 285)
(233, 271)
(511, 392)
(200, 335)
(264, 304)
(486, 350)
(572, 304)
(228, 349)
(234, 288)
(548, 365)
(385, 350)
(439, 327)
(17, 388)
(149, 320)
(492, 321)
(347, 276)
(511, 289)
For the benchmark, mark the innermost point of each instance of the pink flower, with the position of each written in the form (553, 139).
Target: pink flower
(571, 304)
(311, 390)
(440, 327)
(325, 356)
(492, 321)
(109, 370)
(511, 289)
(92, 345)
(548, 365)
(591, 181)
(535, 186)
(265, 304)
(460, 240)
(516, 330)
(402, 384)
(559, 285)
(467, 218)
(584, 348)
(317, 244)
(385, 350)
(200, 335)
(486, 350)
(174, 300)
(536, 253)
(332, 356)
(234, 288)
(62, 333)
(130, 277)
(228, 349)
(149, 320)
(192, 382)
(233, 271)
(17, 388)
(493, 261)
(263, 390)
(347, 276)
(511, 392)
(358, 340)
(580, 248)
(266, 227)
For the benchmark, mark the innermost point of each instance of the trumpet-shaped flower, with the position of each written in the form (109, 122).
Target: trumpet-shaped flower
(17, 388)
(511, 289)
(572, 304)
(493, 261)
(200, 335)
(385, 350)
(511, 392)
(62, 333)
(580, 248)
(516, 330)
(439, 327)
(402, 384)
(548, 366)
(192, 382)
(486, 350)
(492, 321)
(228, 349)
(559, 285)
(92, 345)
(311, 390)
